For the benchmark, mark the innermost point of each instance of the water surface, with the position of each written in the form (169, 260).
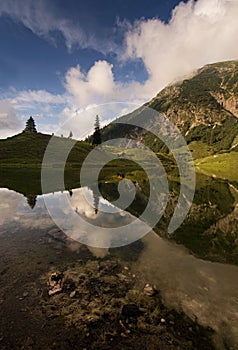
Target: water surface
(204, 290)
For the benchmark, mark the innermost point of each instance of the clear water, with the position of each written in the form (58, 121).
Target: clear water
(203, 289)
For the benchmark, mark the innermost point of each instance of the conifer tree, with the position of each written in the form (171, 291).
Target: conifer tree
(30, 125)
(97, 133)
(31, 200)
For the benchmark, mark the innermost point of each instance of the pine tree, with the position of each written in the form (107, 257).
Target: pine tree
(70, 135)
(97, 133)
(31, 200)
(97, 122)
(30, 125)
(96, 200)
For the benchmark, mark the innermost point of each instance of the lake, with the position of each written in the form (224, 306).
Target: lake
(195, 269)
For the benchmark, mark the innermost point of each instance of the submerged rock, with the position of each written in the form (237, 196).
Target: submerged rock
(55, 283)
(150, 290)
(72, 294)
(58, 235)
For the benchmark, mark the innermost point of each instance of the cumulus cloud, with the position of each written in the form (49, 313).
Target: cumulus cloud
(198, 33)
(97, 84)
(9, 123)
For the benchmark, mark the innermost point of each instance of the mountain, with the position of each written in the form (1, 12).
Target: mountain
(204, 107)
(209, 96)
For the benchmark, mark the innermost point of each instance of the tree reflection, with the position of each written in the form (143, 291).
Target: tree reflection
(31, 200)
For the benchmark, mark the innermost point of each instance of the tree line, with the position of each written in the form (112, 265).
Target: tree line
(95, 139)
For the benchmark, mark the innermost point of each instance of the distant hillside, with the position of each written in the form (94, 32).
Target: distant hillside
(27, 149)
(204, 108)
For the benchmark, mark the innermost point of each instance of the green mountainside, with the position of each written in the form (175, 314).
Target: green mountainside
(203, 107)
(27, 149)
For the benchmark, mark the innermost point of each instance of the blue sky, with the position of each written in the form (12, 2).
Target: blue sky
(62, 61)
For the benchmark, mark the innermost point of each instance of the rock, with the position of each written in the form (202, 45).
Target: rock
(107, 267)
(55, 290)
(58, 235)
(121, 276)
(55, 277)
(55, 283)
(130, 310)
(162, 320)
(123, 335)
(72, 294)
(25, 294)
(150, 290)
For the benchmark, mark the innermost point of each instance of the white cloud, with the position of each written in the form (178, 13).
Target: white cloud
(81, 121)
(45, 107)
(43, 19)
(9, 123)
(97, 85)
(198, 33)
(31, 98)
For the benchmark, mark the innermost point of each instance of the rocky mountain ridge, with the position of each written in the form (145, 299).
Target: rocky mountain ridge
(206, 98)
(204, 107)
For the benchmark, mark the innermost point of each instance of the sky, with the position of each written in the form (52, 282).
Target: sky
(63, 62)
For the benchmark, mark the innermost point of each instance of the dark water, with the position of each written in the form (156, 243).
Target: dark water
(195, 269)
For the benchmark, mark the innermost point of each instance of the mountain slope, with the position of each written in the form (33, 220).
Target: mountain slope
(209, 96)
(204, 108)
(27, 149)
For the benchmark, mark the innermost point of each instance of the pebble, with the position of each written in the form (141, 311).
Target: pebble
(72, 294)
(123, 335)
(122, 276)
(25, 294)
(162, 320)
(149, 290)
